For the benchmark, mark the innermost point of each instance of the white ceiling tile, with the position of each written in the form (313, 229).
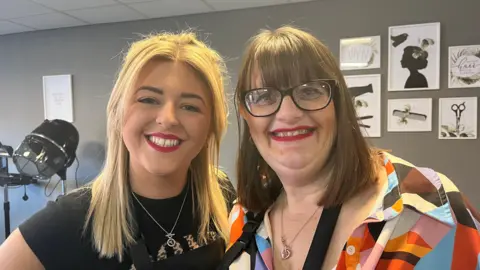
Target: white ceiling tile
(20, 8)
(63, 5)
(49, 21)
(108, 14)
(241, 4)
(168, 8)
(9, 28)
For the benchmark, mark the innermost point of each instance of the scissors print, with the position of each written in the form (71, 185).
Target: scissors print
(458, 109)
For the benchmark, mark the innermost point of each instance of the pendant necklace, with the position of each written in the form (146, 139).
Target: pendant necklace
(287, 248)
(170, 241)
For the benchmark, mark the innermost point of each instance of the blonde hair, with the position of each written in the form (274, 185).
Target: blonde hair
(110, 217)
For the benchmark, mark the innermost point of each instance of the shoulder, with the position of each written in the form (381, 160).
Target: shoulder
(432, 193)
(236, 220)
(68, 208)
(56, 230)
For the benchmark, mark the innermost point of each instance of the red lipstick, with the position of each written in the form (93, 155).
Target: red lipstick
(285, 138)
(164, 149)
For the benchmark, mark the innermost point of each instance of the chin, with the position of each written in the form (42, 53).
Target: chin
(292, 163)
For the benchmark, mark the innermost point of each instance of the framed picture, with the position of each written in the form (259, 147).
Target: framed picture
(414, 57)
(457, 118)
(464, 66)
(410, 115)
(360, 53)
(366, 94)
(57, 97)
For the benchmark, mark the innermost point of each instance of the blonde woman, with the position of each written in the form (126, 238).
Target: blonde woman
(159, 202)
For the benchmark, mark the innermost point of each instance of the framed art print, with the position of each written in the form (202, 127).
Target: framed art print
(457, 118)
(360, 53)
(414, 57)
(410, 115)
(464, 66)
(366, 94)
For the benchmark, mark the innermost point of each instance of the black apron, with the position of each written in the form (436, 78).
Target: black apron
(206, 257)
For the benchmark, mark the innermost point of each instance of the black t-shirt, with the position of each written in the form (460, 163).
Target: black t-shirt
(55, 233)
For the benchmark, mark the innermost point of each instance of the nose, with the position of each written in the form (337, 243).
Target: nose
(167, 115)
(288, 112)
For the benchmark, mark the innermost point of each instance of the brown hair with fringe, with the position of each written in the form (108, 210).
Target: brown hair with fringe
(286, 57)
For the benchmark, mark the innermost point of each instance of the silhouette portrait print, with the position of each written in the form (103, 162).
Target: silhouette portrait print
(414, 59)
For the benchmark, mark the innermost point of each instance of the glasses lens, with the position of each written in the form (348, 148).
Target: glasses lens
(262, 102)
(312, 95)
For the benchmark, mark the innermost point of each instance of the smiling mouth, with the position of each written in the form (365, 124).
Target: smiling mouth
(162, 144)
(292, 135)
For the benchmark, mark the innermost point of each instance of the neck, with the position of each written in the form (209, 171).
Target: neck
(157, 186)
(413, 71)
(303, 198)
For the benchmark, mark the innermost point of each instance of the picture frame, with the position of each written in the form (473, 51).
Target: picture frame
(414, 57)
(464, 66)
(58, 97)
(360, 53)
(457, 118)
(366, 92)
(409, 115)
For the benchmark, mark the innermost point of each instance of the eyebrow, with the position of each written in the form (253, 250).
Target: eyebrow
(182, 95)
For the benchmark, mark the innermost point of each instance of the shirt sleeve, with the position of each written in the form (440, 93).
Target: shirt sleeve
(54, 233)
(466, 242)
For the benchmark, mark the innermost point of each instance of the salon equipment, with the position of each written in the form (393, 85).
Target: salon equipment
(48, 150)
(8, 180)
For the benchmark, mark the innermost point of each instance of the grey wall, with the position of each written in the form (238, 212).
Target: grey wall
(90, 54)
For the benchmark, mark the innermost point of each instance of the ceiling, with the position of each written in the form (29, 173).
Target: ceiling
(32, 15)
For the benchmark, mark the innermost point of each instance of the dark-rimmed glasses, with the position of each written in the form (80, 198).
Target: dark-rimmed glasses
(311, 96)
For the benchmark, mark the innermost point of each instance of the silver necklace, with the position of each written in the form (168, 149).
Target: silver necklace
(287, 248)
(170, 242)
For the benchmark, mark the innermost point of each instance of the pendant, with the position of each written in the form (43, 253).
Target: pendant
(286, 252)
(170, 242)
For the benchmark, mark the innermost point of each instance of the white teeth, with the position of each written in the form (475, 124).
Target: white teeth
(164, 142)
(291, 133)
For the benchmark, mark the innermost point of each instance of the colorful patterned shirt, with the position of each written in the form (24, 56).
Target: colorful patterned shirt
(422, 223)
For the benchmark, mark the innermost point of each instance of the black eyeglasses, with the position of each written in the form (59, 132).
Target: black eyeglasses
(311, 96)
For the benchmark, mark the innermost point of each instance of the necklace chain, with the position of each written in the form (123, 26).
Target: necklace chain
(170, 242)
(287, 248)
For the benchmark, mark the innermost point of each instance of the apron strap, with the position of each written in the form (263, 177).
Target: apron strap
(244, 242)
(321, 239)
(139, 254)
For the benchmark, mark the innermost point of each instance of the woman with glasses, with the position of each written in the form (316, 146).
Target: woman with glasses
(312, 194)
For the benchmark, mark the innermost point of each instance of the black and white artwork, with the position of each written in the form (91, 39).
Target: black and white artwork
(410, 115)
(366, 94)
(360, 53)
(464, 66)
(457, 118)
(414, 57)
